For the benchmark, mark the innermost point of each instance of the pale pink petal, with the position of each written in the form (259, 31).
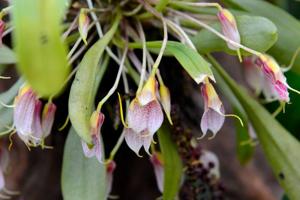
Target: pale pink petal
(95, 150)
(253, 74)
(23, 113)
(37, 132)
(137, 117)
(87, 151)
(147, 140)
(133, 140)
(155, 116)
(48, 118)
(282, 91)
(212, 120)
(110, 168)
(158, 171)
(229, 29)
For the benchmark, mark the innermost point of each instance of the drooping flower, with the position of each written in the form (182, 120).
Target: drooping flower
(274, 76)
(158, 166)
(213, 117)
(2, 28)
(83, 24)
(27, 117)
(110, 168)
(229, 28)
(94, 149)
(144, 117)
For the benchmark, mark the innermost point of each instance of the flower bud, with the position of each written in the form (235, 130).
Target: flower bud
(213, 117)
(110, 168)
(83, 24)
(229, 28)
(165, 99)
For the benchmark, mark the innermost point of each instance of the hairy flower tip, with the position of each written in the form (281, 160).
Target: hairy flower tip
(210, 161)
(213, 117)
(2, 28)
(147, 118)
(4, 159)
(136, 141)
(229, 27)
(275, 77)
(165, 99)
(83, 24)
(110, 168)
(94, 149)
(158, 166)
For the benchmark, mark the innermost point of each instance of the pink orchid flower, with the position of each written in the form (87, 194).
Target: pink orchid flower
(96, 122)
(213, 117)
(229, 27)
(144, 117)
(31, 127)
(274, 76)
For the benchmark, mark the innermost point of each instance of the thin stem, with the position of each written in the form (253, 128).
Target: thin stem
(200, 23)
(181, 33)
(143, 38)
(162, 49)
(197, 4)
(100, 32)
(114, 87)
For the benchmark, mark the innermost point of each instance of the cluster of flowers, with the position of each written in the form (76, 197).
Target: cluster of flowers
(145, 112)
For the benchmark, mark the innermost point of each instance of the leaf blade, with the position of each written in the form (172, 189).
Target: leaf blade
(37, 40)
(82, 178)
(172, 164)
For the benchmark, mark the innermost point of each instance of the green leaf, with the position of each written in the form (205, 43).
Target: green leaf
(82, 178)
(42, 56)
(195, 65)
(288, 28)
(172, 163)
(83, 90)
(7, 56)
(280, 147)
(257, 33)
(7, 97)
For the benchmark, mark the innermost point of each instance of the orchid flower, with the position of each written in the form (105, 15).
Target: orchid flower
(144, 117)
(229, 27)
(157, 162)
(96, 122)
(213, 116)
(30, 126)
(274, 76)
